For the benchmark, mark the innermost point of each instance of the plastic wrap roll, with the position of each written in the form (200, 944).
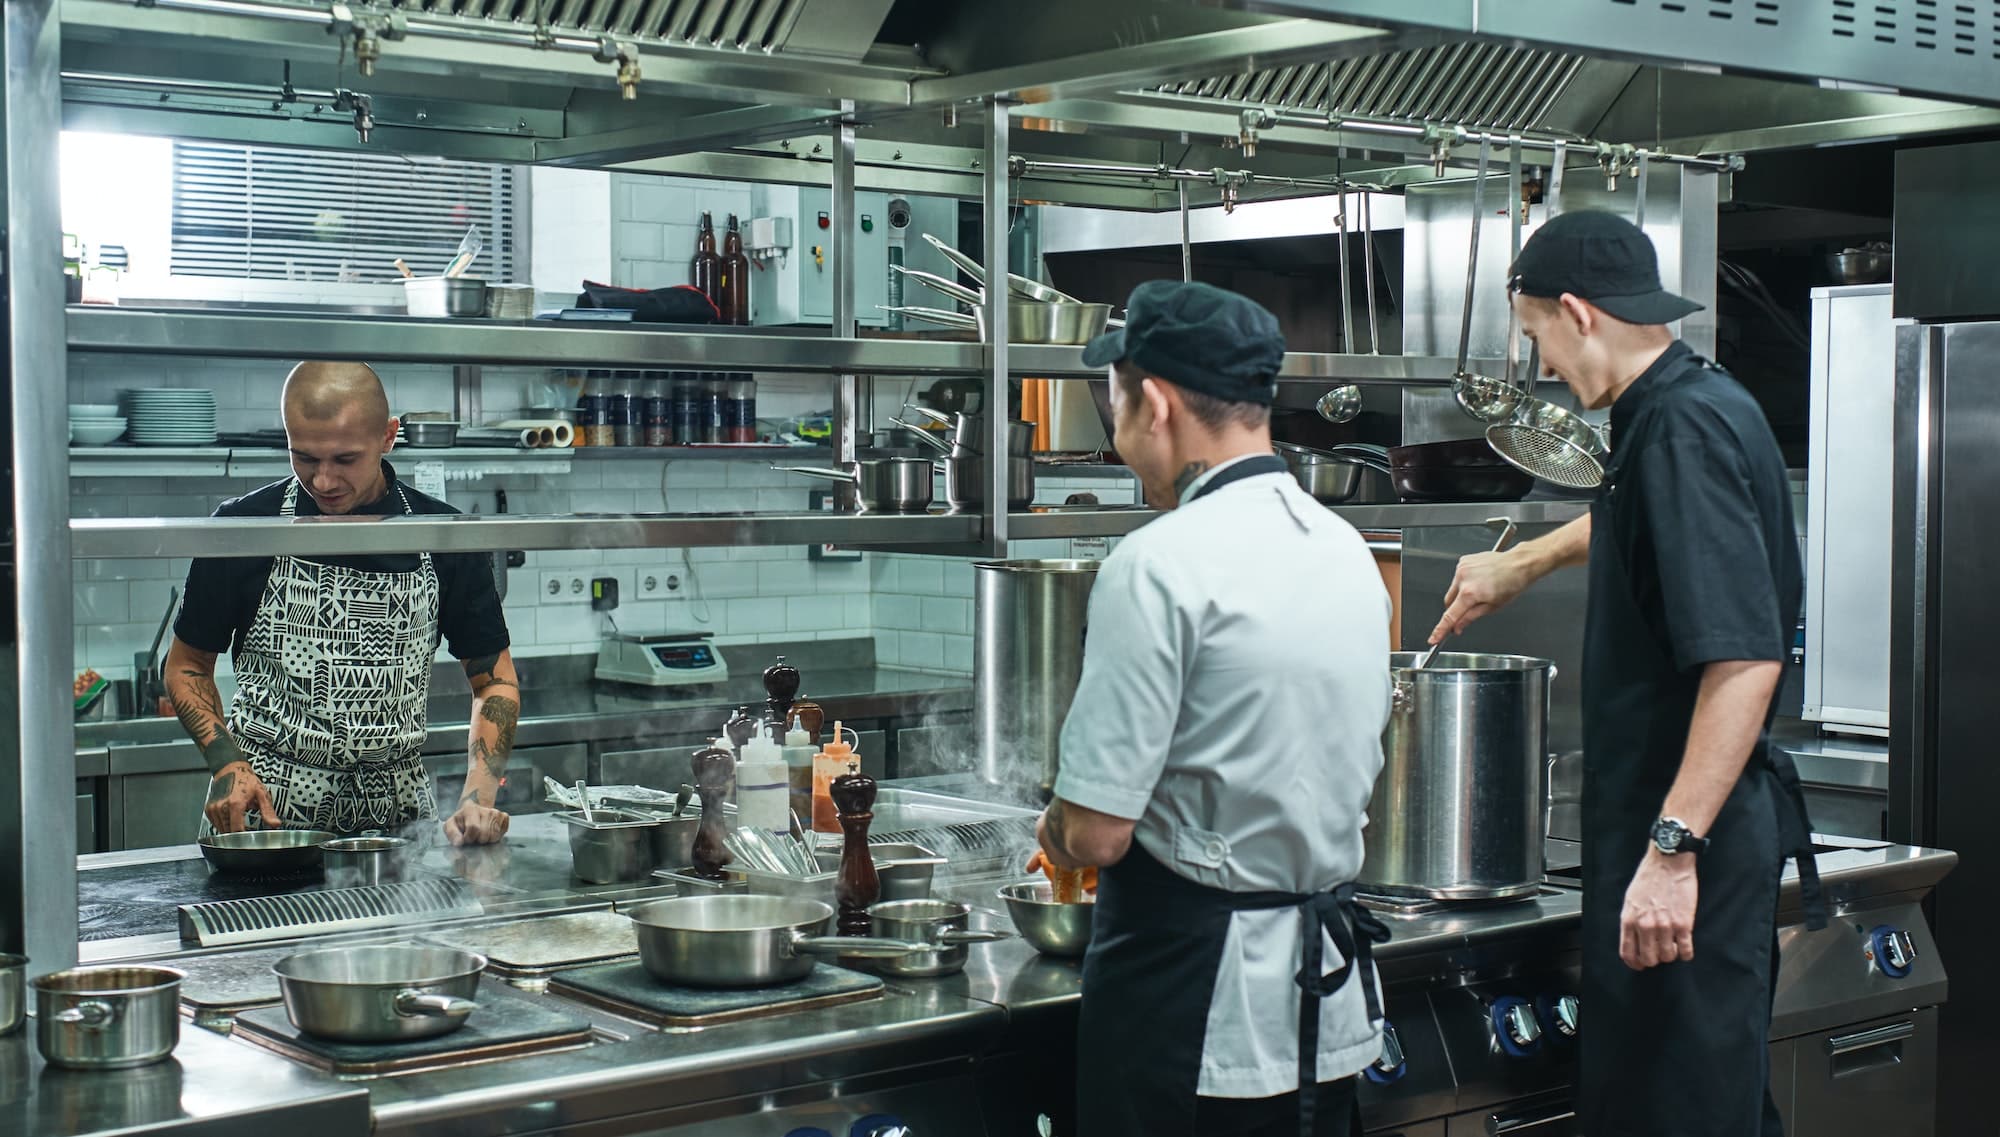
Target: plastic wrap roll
(541, 433)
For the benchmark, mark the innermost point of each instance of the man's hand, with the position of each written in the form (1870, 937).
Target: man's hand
(1657, 925)
(475, 824)
(235, 790)
(1484, 582)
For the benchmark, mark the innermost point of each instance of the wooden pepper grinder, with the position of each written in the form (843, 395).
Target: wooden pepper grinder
(810, 717)
(781, 687)
(713, 768)
(739, 728)
(857, 886)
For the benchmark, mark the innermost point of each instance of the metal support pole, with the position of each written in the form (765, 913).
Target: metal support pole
(848, 410)
(38, 744)
(1346, 289)
(468, 394)
(996, 406)
(1187, 250)
(1552, 192)
(1639, 189)
(1368, 267)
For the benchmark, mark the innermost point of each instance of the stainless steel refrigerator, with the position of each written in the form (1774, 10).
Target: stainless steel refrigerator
(1944, 712)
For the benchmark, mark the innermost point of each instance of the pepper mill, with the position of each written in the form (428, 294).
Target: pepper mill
(739, 728)
(781, 686)
(809, 716)
(857, 885)
(712, 774)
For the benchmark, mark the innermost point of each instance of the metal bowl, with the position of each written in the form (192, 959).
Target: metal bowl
(430, 435)
(1061, 930)
(1861, 266)
(265, 850)
(13, 992)
(1035, 322)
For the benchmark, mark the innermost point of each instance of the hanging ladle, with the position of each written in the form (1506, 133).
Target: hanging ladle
(1487, 399)
(1340, 405)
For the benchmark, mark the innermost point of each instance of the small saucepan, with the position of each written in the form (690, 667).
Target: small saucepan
(747, 940)
(355, 861)
(107, 1018)
(381, 993)
(944, 923)
(881, 485)
(1331, 476)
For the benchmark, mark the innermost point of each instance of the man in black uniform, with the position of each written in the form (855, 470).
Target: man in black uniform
(1688, 812)
(333, 655)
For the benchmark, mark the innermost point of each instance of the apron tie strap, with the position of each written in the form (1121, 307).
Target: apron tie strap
(1796, 837)
(1355, 932)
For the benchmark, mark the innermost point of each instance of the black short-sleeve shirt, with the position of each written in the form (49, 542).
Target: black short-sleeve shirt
(1693, 560)
(222, 593)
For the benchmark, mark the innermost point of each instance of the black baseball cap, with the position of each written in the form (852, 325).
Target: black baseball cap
(1602, 258)
(1197, 336)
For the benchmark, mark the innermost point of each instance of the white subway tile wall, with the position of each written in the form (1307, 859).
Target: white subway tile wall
(923, 605)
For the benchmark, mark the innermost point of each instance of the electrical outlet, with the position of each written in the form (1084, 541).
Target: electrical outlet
(566, 586)
(659, 584)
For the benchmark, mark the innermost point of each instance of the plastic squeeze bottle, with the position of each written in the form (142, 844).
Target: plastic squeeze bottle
(836, 759)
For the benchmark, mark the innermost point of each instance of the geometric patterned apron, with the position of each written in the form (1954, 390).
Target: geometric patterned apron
(332, 684)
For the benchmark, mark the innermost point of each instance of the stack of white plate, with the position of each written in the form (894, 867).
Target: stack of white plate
(170, 416)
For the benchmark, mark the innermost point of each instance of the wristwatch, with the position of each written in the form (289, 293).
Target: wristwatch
(1671, 836)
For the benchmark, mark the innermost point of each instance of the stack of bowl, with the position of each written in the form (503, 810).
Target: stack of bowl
(94, 424)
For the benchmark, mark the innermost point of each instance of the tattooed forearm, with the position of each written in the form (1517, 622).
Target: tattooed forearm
(505, 714)
(479, 672)
(492, 736)
(1186, 477)
(198, 704)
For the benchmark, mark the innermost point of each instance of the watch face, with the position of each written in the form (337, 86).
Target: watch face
(1667, 836)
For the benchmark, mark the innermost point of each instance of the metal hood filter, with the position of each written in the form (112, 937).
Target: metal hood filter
(838, 29)
(1470, 84)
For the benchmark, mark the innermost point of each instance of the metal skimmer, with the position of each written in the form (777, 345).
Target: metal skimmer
(1552, 444)
(257, 919)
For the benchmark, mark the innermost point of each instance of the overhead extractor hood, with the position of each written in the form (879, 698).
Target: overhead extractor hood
(834, 29)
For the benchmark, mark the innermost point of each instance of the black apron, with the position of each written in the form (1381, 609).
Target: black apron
(1681, 1049)
(1156, 945)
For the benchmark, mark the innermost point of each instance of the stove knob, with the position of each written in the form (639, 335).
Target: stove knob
(1567, 1016)
(1392, 1064)
(1894, 950)
(1514, 1026)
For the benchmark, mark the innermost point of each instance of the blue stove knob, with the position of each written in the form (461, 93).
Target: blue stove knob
(1893, 950)
(1514, 1026)
(1390, 1066)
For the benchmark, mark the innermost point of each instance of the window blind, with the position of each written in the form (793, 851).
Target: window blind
(272, 213)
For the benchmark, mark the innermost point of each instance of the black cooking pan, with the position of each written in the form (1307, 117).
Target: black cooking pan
(1464, 469)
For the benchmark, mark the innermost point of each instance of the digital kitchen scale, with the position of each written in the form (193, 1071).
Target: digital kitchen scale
(676, 659)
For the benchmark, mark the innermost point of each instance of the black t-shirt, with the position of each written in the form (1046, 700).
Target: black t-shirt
(1693, 560)
(222, 594)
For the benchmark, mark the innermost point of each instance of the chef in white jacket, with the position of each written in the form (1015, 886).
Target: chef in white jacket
(1219, 756)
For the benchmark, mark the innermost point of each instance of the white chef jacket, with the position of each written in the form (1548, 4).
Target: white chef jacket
(1235, 686)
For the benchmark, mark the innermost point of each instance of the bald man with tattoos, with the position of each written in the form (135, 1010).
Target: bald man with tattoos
(333, 655)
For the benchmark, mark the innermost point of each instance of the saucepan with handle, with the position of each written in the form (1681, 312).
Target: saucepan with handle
(379, 993)
(748, 940)
(880, 485)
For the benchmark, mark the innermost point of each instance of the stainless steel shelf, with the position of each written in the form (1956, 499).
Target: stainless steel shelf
(1055, 362)
(1093, 521)
(169, 331)
(266, 334)
(114, 538)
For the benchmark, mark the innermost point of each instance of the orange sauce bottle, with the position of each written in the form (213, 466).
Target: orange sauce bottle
(837, 758)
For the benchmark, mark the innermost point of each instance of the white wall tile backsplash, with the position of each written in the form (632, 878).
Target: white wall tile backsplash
(923, 605)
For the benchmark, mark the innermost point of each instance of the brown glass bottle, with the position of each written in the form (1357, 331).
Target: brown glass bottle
(706, 274)
(735, 291)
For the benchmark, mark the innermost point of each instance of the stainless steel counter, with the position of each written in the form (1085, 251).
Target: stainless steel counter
(212, 1086)
(594, 712)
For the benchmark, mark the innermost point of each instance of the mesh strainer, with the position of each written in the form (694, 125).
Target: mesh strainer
(1552, 444)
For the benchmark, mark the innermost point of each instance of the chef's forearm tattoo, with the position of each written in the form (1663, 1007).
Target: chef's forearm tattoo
(479, 672)
(198, 704)
(218, 789)
(1186, 477)
(498, 717)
